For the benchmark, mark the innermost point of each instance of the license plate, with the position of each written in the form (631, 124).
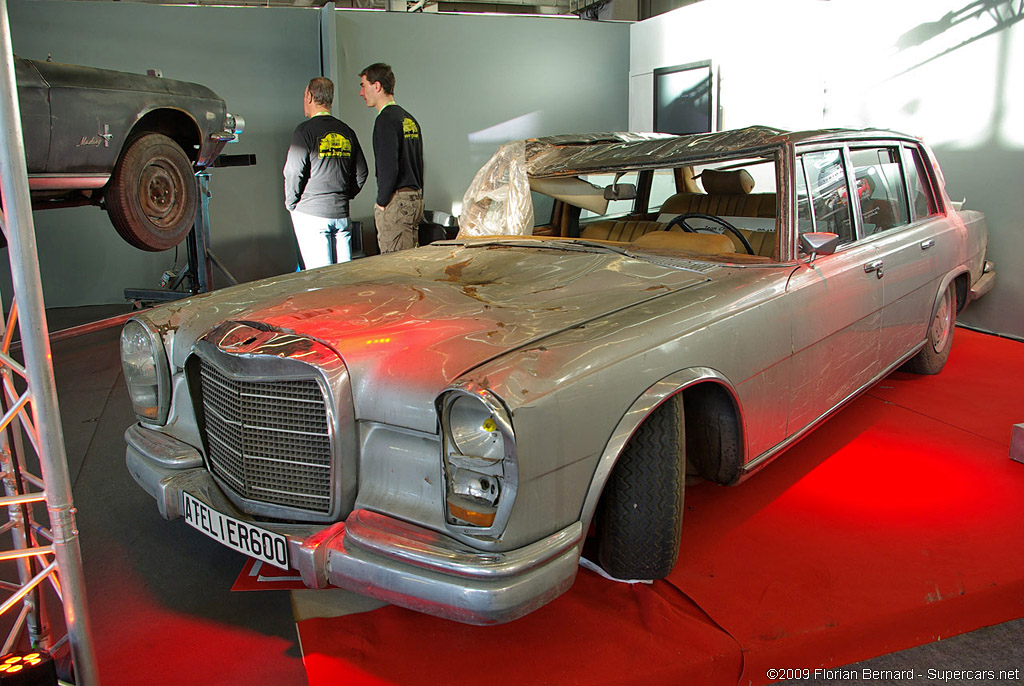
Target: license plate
(246, 538)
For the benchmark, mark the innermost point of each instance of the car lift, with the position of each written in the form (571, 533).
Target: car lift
(201, 260)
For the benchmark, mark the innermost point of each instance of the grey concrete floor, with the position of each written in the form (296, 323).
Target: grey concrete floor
(160, 603)
(159, 592)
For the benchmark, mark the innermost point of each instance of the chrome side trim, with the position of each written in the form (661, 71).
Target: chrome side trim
(66, 182)
(420, 547)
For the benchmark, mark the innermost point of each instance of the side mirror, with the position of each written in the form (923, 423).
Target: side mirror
(820, 243)
(620, 191)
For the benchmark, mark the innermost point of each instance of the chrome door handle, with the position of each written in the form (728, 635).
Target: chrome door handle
(927, 244)
(874, 266)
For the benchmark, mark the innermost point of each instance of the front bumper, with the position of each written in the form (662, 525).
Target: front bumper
(375, 554)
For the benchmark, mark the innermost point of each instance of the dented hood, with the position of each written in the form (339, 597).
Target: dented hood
(409, 324)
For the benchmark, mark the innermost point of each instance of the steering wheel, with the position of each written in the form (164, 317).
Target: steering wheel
(680, 221)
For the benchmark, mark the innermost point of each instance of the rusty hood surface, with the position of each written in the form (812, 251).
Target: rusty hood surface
(409, 324)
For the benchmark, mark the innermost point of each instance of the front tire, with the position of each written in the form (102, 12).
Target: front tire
(640, 516)
(152, 195)
(932, 357)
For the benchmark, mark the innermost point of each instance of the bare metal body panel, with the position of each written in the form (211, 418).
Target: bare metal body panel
(76, 119)
(578, 341)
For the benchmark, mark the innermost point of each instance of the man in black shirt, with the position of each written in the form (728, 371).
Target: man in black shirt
(398, 150)
(325, 168)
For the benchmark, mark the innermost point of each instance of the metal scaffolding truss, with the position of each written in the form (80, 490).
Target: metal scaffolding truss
(44, 548)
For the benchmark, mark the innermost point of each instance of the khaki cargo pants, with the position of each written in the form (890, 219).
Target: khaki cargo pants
(398, 224)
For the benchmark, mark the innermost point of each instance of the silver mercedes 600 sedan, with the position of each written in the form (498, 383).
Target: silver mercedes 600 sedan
(443, 428)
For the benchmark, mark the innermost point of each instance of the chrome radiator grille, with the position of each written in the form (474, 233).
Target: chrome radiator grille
(268, 440)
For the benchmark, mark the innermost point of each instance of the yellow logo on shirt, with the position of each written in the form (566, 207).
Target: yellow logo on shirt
(335, 145)
(410, 129)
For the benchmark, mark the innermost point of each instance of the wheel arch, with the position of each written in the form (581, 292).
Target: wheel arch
(961, 280)
(693, 383)
(176, 124)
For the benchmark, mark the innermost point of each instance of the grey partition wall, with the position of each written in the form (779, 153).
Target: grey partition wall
(474, 82)
(258, 59)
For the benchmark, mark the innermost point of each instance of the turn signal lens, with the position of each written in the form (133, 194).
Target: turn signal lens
(480, 467)
(470, 516)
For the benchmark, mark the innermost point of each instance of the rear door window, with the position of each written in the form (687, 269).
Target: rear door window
(881, 195)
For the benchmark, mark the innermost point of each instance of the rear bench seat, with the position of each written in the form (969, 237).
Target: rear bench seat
(728, 195)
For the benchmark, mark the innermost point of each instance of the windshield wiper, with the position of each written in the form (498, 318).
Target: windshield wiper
(593, 244)
(573, 245)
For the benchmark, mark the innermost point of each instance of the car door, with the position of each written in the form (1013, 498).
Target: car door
(836, 300)
(33, 97)
(909, 250)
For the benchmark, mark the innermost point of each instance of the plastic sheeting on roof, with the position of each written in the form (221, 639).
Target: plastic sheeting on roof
(498, 201)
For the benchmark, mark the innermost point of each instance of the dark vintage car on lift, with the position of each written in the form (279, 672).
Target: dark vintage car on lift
(443, 428)
(130, 143)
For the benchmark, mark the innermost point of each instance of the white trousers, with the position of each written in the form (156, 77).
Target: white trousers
(322, 241)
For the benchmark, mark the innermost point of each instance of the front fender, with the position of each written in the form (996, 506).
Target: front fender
(641, 408)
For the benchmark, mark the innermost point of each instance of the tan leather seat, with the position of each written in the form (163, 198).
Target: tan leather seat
(624, 231)
(728, 195)
(702, 243)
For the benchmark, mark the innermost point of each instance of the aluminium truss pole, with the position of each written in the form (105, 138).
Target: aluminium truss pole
(39, 370)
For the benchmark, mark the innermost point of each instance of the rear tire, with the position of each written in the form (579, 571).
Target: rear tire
(152, 195)
(640, 516)
(932, 357)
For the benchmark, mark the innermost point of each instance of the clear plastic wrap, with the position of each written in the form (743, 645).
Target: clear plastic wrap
(498, 202)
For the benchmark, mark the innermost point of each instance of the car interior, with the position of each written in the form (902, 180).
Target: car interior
(706, 210)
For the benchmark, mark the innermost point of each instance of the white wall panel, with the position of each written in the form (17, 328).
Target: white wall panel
(950, 71)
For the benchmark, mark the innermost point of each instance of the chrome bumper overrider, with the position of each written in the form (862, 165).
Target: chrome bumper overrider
(377, 555)
(985, 283)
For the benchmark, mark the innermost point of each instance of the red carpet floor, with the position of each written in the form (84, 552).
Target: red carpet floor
(895, 524)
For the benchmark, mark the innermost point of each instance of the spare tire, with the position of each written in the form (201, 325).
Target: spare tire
(152, 196)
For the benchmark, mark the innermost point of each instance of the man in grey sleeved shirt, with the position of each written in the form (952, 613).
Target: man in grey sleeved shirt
(324, 169)
(398, 152)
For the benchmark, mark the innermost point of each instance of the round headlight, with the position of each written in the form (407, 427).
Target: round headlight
(143, 371)
(474, 429)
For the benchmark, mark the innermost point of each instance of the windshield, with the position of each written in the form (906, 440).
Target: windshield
(719, 209)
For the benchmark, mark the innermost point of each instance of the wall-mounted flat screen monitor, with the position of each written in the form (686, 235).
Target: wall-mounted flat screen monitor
(682, 99)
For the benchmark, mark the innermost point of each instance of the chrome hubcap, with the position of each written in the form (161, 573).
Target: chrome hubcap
(943, 322)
